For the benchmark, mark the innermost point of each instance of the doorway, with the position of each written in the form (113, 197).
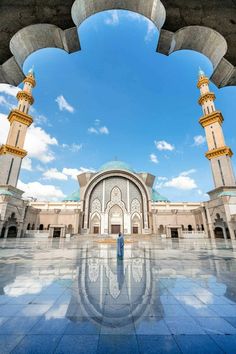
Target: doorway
(56, 232)
(174, 233)
(96, 230)
(115, 229)
(135, 230)
(219, 232)
(12, 231)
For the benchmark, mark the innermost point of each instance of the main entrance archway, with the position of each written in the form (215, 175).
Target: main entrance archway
(116, 218)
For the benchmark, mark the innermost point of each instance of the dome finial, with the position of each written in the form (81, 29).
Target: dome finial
(31, 71)
(201, 72)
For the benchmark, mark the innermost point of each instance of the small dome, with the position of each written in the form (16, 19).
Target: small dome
(157, 197)
(6, 192)
(116, 165)
(227, 193)
(74, 197)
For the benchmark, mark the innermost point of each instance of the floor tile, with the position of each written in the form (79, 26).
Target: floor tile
(183, 325)
(226, 343)
(83, 327)
(8, 342)
(77, 344)
(37, 344)
(157, 345)
(116, 344)
(197, 344)
(50, 326)
(19, 325)
(215, 325)
(151, 325)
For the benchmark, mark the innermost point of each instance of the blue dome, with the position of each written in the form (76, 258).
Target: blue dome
(157, 197)
(116, 165)
(74, 197)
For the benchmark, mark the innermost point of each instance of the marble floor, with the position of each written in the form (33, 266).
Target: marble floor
(73, 296)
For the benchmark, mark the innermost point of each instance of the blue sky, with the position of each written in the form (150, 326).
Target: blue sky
(118, 98)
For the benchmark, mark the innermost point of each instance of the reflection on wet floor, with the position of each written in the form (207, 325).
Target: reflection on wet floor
(74, 296)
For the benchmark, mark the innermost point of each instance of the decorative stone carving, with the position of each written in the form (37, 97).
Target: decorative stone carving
(135, 206)
(96, 206)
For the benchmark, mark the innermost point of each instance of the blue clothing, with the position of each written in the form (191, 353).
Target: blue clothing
(120, 247)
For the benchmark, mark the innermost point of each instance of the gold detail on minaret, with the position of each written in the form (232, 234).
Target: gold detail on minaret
(4, 149)
(21, 117)
(202, 81)
(207, 96)
(25, 96)
(214, 117)
(224, 150)
(31, 80)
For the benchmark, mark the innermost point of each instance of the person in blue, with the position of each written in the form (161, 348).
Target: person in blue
(120, 246)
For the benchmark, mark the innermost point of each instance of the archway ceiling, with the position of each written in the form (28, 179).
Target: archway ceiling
(206, 26)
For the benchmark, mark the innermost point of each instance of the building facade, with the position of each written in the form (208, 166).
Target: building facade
(116, 198)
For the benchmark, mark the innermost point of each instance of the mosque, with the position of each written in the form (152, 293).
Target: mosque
(116, 198)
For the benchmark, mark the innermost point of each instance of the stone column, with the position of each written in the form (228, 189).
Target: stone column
(6, 232)
(231, 231)
(224, 233)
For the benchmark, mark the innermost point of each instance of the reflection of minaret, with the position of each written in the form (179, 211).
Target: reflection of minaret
(218, 153)
(12, 153)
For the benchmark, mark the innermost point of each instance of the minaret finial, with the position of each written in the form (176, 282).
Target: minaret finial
(200, 72)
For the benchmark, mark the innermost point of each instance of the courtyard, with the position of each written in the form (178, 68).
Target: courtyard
(73, 296)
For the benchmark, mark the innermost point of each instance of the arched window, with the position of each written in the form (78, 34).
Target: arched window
(190, 228)
(33, 226)
(202, 227)
(41, 227)
(48, 227)
(28, 226)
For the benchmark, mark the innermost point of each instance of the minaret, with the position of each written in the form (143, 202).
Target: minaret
(218, 153)
(12, 153)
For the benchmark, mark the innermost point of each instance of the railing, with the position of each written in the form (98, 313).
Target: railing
(194, 234)
(37, 233)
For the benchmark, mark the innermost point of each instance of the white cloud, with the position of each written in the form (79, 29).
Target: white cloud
(199, 140)
(26, 164)
(72, 147)
(163, 145)
(40, 191)
(153, 158)
(151, 30)
(97, 129)
(63, 104)
(104, 130)
(189, 172)
(92, 130)
(112, 19)
(181, 182)
(37, 141)
(9, 90)
(74, 172)
(53, 173)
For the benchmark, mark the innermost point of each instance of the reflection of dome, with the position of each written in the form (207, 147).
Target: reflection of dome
(74, 197)
(157, 197)
(116, 165)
